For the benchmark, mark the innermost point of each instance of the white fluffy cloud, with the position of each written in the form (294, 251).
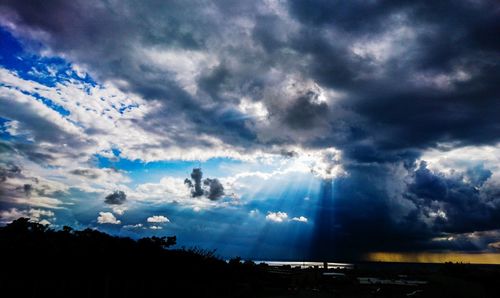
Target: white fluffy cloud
(100, 118)
(300, 219)
(277, 216)
(107, 218)
(280, 217)
(158, 219)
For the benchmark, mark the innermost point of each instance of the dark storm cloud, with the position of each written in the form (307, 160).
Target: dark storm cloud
(383, 207)
(306, 111)
(188, 183)
(28, 189)
(215, 188)
(411, 74)
(459, 196)
(394, 105)
(211, 188)
(116, 198)
(445, 37)
(195, 186)
(401, 110)
(349, 16)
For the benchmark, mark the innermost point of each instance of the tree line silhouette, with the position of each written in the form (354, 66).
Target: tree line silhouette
(42, 262)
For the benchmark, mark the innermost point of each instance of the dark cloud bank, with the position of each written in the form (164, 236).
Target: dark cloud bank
(412, 74)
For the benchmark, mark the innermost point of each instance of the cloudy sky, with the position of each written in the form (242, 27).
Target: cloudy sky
(338, 130)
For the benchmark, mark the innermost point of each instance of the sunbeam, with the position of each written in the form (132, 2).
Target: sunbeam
(323, 237)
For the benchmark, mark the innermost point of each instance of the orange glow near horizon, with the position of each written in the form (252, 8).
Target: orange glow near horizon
(431, 257)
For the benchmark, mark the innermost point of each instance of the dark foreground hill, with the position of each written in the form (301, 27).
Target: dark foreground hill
(40, 262)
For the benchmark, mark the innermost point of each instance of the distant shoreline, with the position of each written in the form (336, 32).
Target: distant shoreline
(342, 265)
(306, 264)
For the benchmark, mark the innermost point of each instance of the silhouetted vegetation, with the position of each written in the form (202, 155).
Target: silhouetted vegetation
(67, 263)
(41, 262)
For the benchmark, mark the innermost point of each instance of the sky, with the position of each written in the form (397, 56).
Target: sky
(270, 130)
